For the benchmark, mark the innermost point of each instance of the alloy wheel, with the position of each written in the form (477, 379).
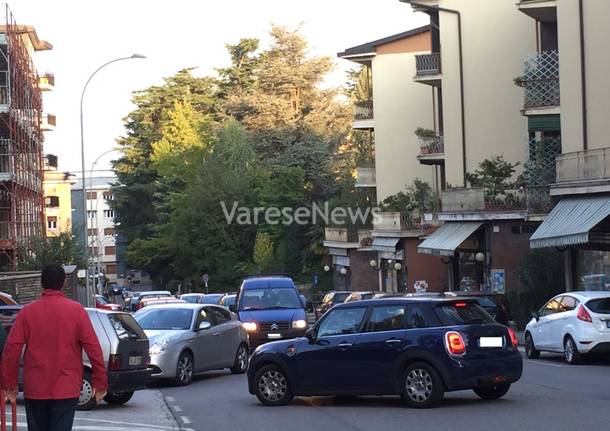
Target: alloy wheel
(272, 385)
(185, 368)
(242, 358)
(418, 385)
(568, 350)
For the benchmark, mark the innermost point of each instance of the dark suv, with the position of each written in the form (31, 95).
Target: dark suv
(417, 348)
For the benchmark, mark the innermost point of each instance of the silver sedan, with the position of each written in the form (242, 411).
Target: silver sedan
(187, 339)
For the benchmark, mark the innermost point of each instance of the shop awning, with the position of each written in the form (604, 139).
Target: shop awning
(447, 238)
(385, 244)
(570, 221)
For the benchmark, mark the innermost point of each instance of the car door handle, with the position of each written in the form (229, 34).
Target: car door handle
(344, 344)
(393, 341)
(216, 334)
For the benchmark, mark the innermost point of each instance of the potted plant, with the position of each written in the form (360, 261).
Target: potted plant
(427, 138)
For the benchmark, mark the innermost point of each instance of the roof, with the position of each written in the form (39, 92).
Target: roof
(592, 294)
(38, 44)
(95, 182)
(267, 282)
(370, 47)
(404, 300)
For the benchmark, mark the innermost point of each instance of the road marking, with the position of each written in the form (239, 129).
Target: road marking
(177, 409)
(125, 425)
(548, 364)
(170, 399)
(185, 420)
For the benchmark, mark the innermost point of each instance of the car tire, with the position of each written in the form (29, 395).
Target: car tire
(570, 351)
(271, 386)
(242, 360)
(421, 386)
(530, 349)
(118, 399)
(86, 399)
(492, 392)
(184, 369)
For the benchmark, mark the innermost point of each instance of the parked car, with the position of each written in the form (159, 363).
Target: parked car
(8, 314)
(203, 298)
(574, 323)
(494, 303)
(359, 296)
(6, 299)
(116, 289)
(134, 302)
(383, 295)
(330, 300)
(417, 348)
(228, 301)
(187, 339)
(158, 300)
(270, 309)
(102, 303)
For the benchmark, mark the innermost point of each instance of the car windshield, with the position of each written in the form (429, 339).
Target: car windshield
(164, 319)
(193, 299)
(272, 298)
(212, 298)
(340, 297)
(228, 300)
(462, 313)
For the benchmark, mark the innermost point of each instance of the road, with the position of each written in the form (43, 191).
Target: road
(551, 395)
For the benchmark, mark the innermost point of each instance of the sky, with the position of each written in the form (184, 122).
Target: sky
(173, 35)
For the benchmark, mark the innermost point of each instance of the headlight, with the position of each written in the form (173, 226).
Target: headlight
(299, 324)
(158, 348)
(250, 326)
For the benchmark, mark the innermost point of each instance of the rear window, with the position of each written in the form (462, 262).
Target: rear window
(600, 306)
(487, 302)
(126, 327)
(339, 297)
(193, 299)
(366, 296)
(462, 313)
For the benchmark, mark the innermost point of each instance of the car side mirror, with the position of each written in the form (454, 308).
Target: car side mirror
(204, 325)
(536, 315)
(310, 334)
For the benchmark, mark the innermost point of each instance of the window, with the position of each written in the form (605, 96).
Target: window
(93, 251)
(108, 213)
(92, 195)
(109, 231)
(568, 303)
(92, 232)
(551, 307)
(202, 316)
(388, 318)
(91, 215)
(111, 269)
(109, 250)
(600, 306)
(462, 313)
(420, 316)
(126, 327)
(108, 195)
(165, 319)
(52, 222)
(52, 201)
(342, 321)
(277, 297)
(219, 315)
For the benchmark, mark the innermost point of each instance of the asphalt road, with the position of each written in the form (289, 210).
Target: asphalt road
(550, 395)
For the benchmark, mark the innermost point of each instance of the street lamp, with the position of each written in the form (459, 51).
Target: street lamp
(82, 150)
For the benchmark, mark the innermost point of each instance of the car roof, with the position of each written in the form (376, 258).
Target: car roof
(155, 292)
(402, 300)
(267, 282)
(589, 294)
(192, 294)
(178, 305)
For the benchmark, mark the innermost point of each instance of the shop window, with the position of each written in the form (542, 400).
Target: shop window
(593, 270)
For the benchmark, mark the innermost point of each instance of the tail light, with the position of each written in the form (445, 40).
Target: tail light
(114, 362)
(583, 314)
(460, 304)
(513, 337)
(455, 343)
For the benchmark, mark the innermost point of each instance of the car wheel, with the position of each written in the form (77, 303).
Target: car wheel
(530, 350)
(271, 386)
(118, 399)
(86, 399)
(184, 369)
(242, 359)
(492, 392)
(422, 387)
(570, 351)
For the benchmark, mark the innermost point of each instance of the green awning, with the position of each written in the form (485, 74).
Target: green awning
(570, 222)
(447, 238)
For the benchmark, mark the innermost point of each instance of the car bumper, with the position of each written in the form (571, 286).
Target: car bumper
(128, 381)
(472, 373)
(164, 365)
(259, 337)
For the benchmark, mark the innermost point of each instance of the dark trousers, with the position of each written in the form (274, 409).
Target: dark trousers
(50, 415)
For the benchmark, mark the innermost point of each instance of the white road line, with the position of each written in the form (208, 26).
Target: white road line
(177, 409)
(170, 399)
(185, 420)
(125, 425)
(548, 364)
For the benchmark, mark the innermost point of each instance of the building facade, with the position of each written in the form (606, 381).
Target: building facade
(57, 187)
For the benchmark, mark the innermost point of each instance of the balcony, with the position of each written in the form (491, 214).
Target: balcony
(365, 177)
(7, 160)
(343, 238)
(540, 82)
(428, 68)
(478, 204)
(397, 224)
(48, 123)
(46, 82)
(431, 150)
(540, 10)
(363, 115)
(583, 172)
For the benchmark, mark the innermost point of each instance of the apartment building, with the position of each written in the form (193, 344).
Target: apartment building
(568, 77)
(58, 198)
(22, 123)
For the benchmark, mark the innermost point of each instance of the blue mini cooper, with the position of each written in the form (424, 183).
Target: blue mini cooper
(418, 348)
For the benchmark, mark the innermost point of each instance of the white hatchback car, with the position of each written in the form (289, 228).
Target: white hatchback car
(575, 323)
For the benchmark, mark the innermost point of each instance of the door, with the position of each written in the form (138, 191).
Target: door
(542, 328)
(326, 365)
(226, 331)
(206, 344)
(559, 320)
(378, 348)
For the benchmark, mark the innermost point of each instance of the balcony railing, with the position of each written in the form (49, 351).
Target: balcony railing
(365, 177)
(396, 222)
(540, 80)
(584, 166)
(340, 234)
(431, 146)
(363, 110)
(481, 200)
(428, 64)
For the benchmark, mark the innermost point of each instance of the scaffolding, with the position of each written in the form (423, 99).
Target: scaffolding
(21, 139)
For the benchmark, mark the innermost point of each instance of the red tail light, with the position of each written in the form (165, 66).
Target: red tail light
(460, 304)
(513, 337)
(583, 314)
(455, 343)
(114, 362)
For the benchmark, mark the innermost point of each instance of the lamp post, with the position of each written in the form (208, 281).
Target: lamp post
(82, 150)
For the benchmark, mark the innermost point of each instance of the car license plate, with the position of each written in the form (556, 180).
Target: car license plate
(135, 360)
(491, 342)
(274, 336)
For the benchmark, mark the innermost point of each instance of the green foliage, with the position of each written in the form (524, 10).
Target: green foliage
(263, 251)
(420, 132)
(416, 200)
(493, 175)
(61, 250)
(359, 87)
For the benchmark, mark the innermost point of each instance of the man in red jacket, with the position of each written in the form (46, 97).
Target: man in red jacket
(54, 331)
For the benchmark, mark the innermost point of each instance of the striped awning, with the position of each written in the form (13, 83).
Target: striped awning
(570, 222)
(385, 244)
(447, 238)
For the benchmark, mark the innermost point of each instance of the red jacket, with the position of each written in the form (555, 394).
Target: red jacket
(54, 331)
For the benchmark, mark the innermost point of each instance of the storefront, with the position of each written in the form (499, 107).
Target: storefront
(390, 264)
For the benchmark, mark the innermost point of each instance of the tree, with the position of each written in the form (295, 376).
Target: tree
(263, 251)
(417, 199)
(493, 175)
(61, 250)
